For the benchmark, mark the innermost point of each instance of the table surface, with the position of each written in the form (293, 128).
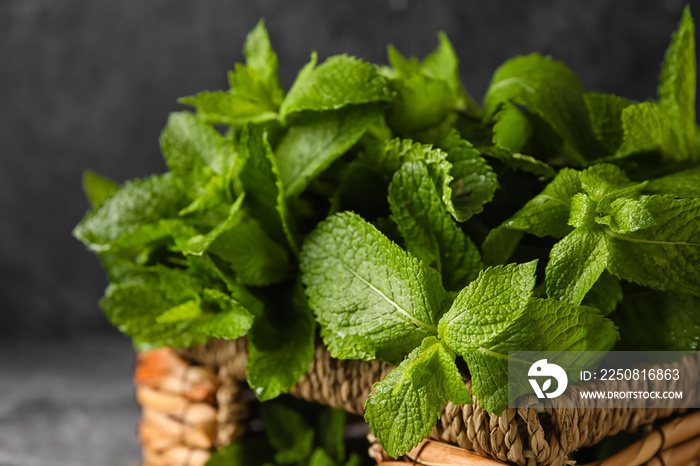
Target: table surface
(68, 402)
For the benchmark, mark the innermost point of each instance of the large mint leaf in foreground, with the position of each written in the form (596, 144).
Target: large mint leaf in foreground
(544, 325)
(487, 306)
(404, 407)
(428, 229)
(318, 139)
(365, 287)
(340, 81)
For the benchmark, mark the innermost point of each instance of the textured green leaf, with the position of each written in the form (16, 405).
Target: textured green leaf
(311, 145)
(549, 89)
(260, 180)
(198, 244)
(487, 306)
(98, 188)
(677, 85)
(646, 128)
(519, 161)
(685, 183)
(137, 203)
(605, 111)
(363, 286)
(511, 129)
(474, 181)
(255, 93)
(665, 256)
(575, 263)
(626, 215)
(135, 307)
(280, 348)
(429, 231)
(404, 407)
(340, 81)
(193, 150)
(442, 63)
(545, 325)
(675, 318)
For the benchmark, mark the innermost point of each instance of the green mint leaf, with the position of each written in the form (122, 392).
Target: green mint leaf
(487, 306)
(545, 325)
(677, 85)
(321, 458)
(198, 244)
(314, 142)
(261, 57)
(474, 181)
(287, 432)
(98, 188)
(194, 152)
(367, 288)
(338, 82)
(280, 348)
(646, 128)
(442, 63)
(161, 311)
(404, 407)
(665, 256)
(549, 89)
(499, 245)
(605, 111)
(519, 161)
(676, 322)
(685, 183)
(330, 434)
(512, 128)
(429, 231)
(255, 93)
(626, 215)
(137, 203)
(575, 263)
(252, 254)
(260, 180)
(605, 294)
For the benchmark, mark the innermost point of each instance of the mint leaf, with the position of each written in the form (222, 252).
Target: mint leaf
(549, 89)
(676, 322)
(512, 128)
(646, 128)
(429, 231)
(174, 309)
(198, 244)
(575, 263)
(404, 407)
(137, 203)
(487, 306)
(256, 259)
(255, 93)
(280, 347)
(605, 112)
(194, 152)
(442, 63)
(365, 287)
(330, 434)
(474, 181)
(605, 294)
(338, 82)
(665, 256)
(543, 325)
(677, 86)
(98, 188)
(260, 180)
(547, 214)
(314, 142)
(685, 183)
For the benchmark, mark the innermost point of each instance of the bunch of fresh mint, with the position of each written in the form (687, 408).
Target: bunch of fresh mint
(355, 204)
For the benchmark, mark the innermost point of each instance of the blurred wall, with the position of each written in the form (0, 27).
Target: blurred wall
(89, 83)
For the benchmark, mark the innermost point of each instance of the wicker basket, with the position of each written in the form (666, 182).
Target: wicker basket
(193, 402)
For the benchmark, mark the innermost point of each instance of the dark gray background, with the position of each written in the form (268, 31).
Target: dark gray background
(88, 84)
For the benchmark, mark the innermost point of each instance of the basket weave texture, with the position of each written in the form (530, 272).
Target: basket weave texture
(526, 436)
